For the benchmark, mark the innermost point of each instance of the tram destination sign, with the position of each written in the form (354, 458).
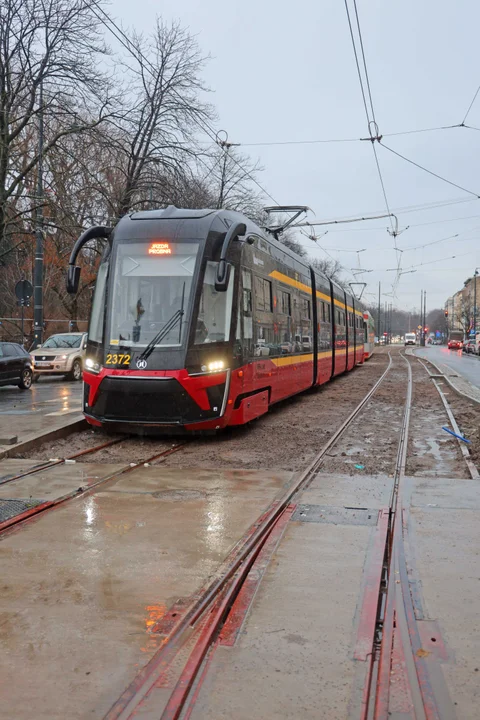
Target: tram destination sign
(160, 248)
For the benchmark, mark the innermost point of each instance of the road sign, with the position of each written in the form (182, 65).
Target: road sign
(438, 333)
(23, 290)
(419, 327)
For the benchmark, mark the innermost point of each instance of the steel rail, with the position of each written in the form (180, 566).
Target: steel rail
(396, 618)
(26, 516)
(463, 449)
(218, 597)
(61, 461)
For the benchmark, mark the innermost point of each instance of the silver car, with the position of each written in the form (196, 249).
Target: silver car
(62, 354)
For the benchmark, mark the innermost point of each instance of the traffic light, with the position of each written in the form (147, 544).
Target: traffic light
(446, 313)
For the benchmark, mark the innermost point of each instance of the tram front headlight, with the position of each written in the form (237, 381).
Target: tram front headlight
(216, 366)
(92, 365)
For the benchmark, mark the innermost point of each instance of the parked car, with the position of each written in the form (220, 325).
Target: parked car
(469, 346)
(15, 366)
(62, 354)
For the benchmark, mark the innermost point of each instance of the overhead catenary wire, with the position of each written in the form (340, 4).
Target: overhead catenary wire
(371, 117)
(431, 262)
(270, 143)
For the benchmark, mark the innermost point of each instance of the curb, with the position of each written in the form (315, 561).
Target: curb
(35, 441)
(445, 377)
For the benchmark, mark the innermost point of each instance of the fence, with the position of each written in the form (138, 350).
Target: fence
(11, 329)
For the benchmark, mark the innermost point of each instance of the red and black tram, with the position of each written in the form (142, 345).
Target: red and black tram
(201, 320)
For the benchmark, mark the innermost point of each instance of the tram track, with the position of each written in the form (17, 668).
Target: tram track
(396, 643)
(199, 629)
(204, 619)
(16, 521)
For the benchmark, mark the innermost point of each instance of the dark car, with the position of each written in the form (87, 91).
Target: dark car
(15, 366)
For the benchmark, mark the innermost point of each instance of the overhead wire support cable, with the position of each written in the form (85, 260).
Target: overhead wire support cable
(470, 106)
(430, 172)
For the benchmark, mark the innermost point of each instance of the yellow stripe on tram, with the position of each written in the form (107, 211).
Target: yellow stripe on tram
(305, 288)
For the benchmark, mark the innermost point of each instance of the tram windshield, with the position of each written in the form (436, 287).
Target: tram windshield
(152, 283)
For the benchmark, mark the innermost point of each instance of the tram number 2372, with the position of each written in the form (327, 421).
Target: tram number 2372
(118, 359)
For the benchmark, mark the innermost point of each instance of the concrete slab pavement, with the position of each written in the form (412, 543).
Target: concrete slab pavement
(82, 585)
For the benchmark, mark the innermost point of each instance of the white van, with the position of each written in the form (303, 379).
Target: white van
(410, 339)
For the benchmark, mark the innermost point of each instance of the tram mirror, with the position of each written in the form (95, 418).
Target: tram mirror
(222, 277)
(73, 279)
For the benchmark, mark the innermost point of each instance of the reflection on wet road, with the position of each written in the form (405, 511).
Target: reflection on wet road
(42, 408)
(86, 583)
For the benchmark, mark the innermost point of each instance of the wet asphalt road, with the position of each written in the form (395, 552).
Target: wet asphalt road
(44, 407)
(466, 365)
(46, 396)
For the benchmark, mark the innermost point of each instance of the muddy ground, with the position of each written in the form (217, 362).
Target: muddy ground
(466, 413)
(286, 438)
(289, 436)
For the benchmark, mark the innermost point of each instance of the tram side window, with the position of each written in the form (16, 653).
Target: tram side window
(305, 309)
(286, 303)
(263, 294)
(247, 308)
(215, 309)
(95, 331)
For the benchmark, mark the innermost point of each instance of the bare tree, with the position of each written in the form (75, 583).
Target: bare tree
(232, 177)
(49, 60)
(153, 138)
(331, 268)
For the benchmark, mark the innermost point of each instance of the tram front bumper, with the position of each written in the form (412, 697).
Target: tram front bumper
(172, 399)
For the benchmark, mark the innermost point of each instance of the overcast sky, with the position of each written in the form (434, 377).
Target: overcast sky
(283, 71)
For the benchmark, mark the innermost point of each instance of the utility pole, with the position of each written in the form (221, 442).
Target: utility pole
(38, 268)
(379, 323)
(422, 342)
(424, 316)
(225, 145)
(475, 276)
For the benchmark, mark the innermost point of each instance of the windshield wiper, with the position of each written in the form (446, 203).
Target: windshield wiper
(176, 317)
(169, 325)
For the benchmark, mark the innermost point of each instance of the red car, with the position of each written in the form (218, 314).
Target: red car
(455, 344)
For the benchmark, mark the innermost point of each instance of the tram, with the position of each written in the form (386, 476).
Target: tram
(202, 320)
(369, 339)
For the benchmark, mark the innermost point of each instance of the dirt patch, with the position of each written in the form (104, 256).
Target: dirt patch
(286, 438)
(431, 451)
(127, 450)
(370, 445)
(289, 436)
(65, 446)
